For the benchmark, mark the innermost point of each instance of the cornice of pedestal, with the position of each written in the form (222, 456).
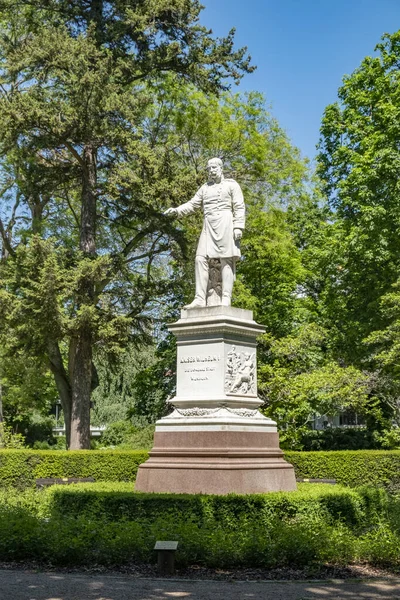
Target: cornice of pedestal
(218, 419)
(216, 319)
(215, 402)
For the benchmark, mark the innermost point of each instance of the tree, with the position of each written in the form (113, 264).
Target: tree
(384, 347)
(86, 183)
(358, 163)
(132, 389)
(300, 382)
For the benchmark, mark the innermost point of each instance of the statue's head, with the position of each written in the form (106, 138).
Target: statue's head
(214, 168)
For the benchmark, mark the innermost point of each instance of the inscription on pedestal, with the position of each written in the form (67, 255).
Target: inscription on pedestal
(200, 367)
(199, 373)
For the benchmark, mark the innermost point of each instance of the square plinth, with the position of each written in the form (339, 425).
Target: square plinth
(216, 357)
(216, 441)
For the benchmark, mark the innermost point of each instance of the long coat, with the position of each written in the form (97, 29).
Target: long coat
(224, 211)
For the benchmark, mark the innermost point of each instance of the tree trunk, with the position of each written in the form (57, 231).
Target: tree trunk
(81, 392)
(81, 356)
(1, 404)
(63, 386)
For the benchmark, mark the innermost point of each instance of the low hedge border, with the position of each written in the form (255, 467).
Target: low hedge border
(107, 524)
(115, 502)
(21, 468)
(350, 467)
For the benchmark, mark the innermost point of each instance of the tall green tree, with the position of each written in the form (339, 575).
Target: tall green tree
(301, 381)
(358, 162)
(86, 183)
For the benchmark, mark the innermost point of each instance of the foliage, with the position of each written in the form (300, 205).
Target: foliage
(312, 526)
(21, 468)
(380, 468)
(125, 391)
(359, 154)
(142, 438)
(98, 500)
(8, 439)
(84, 183)
(116, 433)
(350, 438)
(27, 389)
(271, 269)
(299, 382)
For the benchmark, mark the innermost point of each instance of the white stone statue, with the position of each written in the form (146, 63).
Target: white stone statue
(224, 219)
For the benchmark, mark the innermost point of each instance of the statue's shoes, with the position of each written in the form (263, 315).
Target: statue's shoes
(225, 301)
(197, 303)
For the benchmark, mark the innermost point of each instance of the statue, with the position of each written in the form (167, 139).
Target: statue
(224, 219)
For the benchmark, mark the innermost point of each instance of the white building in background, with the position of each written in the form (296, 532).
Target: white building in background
(346, 419)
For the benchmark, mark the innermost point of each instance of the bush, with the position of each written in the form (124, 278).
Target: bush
(9, 439)
(353, 468)
(340, 438)
(345, 438)
(124, 436)
(21, 468)
(114, 502)
(39, 430)
(104, 524)
(117, 433)
(141, 439)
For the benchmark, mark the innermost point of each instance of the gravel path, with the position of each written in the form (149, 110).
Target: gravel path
(29, 585)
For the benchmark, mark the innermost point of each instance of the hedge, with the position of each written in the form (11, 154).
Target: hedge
(350, 467)
(113, 502)
(20, 468)
(105, 523)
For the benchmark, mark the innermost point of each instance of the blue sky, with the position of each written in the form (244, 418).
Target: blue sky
(302, 49)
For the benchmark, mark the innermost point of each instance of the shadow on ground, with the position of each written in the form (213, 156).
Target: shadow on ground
(29, 585)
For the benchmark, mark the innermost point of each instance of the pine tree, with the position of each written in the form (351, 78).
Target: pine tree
(84, 185)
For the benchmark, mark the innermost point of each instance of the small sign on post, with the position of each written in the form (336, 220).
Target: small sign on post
(166, 557)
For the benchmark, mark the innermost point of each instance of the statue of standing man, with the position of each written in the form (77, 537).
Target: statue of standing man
(224, 219)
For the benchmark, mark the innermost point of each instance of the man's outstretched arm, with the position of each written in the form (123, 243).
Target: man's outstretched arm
(188, 208)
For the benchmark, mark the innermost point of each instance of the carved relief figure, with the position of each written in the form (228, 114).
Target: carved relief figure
(240, 372)
(224, 219)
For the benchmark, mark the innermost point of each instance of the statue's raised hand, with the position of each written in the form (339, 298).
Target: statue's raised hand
(171, 212)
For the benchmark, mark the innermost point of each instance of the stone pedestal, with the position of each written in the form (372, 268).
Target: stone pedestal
(216, 441)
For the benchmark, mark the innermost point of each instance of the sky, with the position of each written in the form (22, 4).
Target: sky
(302, 50)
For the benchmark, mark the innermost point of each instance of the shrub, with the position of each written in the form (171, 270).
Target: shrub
(141, 439)
(9, 439)
(21, 468)
(117, 433)
(113, 502)
(353, 468)
(308, 527)
(341, 438)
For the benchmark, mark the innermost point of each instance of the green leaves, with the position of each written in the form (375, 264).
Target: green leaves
(301, 382)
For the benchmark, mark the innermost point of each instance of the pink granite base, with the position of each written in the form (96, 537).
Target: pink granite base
(215, 462)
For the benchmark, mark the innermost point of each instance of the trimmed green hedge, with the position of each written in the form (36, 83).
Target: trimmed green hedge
(350, 467)
(105, 523)
(114, 502)
(20, 468)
